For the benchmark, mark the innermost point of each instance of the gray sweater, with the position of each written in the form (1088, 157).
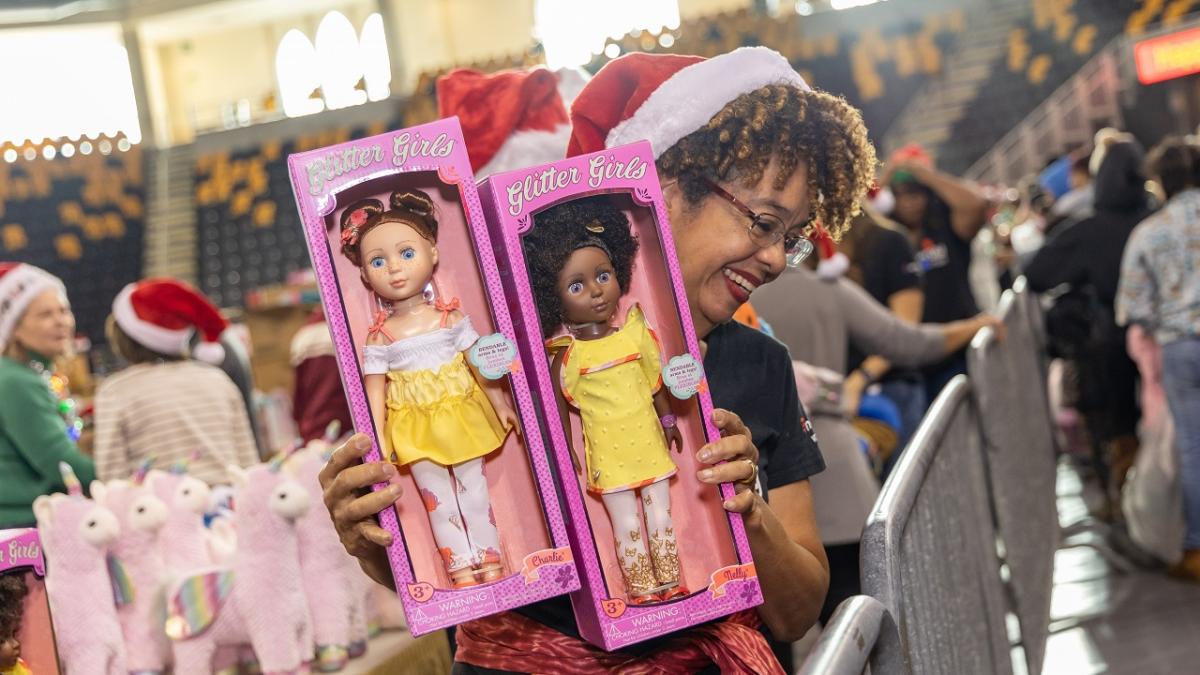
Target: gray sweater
(816, 319)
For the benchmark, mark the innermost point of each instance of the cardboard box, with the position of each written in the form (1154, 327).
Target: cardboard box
(21, 555)
(533, 540)
(713, 552)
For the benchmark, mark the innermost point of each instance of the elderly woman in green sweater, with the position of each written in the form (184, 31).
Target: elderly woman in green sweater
(37, 425)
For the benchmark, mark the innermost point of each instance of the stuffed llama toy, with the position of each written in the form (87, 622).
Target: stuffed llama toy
(259, 599)
(76, 533)
(140, 515)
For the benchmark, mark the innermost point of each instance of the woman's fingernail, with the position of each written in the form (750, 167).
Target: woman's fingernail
(706, 474)
(393, 490)
(704, 455)
(728, 505)
(389, 470)
(362, 442)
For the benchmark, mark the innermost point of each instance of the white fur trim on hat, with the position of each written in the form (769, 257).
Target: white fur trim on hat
(210, 352)
(18, 288)
(161, 340)
(833, 267)
(528, 148)
(688, 99)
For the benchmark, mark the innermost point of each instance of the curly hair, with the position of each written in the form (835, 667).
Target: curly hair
(565, 228)
(12, 603)
(411, 207)
(818, 129)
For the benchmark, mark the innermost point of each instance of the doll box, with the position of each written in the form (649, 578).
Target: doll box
(533, 540)
(714, 555)
(21, 556)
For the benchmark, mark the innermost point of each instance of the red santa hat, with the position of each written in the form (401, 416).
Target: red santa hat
(20, 283)
(510, 119)
(833, 263)
(664, 97)
(162, 314)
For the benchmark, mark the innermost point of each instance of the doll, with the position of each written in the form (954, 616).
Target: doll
(12, 603)
(431, 409)
(580, 258)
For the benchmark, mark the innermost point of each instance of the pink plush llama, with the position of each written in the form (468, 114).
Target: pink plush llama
(75, 534)
(259, 599)
(334, 600)
(141, 515)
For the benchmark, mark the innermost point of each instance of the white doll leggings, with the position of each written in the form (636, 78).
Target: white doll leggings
(460, 512)
(649, 561)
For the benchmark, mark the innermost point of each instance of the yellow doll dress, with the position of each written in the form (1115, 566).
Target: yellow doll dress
(436, 410)
(612, 381)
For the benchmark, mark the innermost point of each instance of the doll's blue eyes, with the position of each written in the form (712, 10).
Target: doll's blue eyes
(604, 277)
(408, 254)
(377, 263)
(575, 288)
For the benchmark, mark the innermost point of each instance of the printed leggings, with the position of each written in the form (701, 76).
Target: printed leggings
(649, 562)
(460, 513)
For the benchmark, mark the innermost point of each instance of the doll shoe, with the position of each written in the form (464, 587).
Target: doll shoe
(643, 599)
(673, 592)
(490, 572)
(463, 579)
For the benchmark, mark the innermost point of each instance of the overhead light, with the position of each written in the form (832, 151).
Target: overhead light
(847, 4)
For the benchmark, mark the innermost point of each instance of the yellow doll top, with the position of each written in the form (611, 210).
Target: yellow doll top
(636, 341)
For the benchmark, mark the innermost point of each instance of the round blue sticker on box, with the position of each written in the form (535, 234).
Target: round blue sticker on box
(494, 356)
(684, 376)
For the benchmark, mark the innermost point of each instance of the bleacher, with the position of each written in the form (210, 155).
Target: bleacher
(965, 530)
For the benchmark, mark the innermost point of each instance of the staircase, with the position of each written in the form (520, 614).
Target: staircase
(170, 245)
(943, 101)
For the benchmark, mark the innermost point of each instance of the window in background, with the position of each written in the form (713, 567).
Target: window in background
(70, 82)
(341, 69)
(573, 32)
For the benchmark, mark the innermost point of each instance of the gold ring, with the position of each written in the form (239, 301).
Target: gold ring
(754, 469)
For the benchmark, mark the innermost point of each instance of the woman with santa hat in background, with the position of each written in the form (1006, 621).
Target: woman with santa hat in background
(165, 405)
(38, 425)
(748, 156)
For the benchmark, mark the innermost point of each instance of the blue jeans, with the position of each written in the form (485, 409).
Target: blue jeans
(1181, 380)
(909, 397)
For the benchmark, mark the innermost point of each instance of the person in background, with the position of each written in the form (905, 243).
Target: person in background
(1081, 198)
(817, 314)
(1084, 256)
(318, 397)
(235, 341)
(942, 215)
(882, 262)
(166, 405)
(38, 426)
(1159, 290)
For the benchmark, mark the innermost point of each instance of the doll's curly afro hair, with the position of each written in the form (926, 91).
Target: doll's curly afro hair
(565, 228)
(12, 602)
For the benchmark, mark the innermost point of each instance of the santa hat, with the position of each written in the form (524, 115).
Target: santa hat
(20, 283)
(881, 199)
(510, 119)
(162, 314)
(833, 263)
(664, 97)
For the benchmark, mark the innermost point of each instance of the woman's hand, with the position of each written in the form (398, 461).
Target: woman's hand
(736, 461)
(346, 483)
(852, 392)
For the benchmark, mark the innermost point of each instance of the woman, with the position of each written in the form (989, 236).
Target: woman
(816, 318)
(164, 405)
(1160, 291)
(747, 155)
(883, 264)
(36, 327)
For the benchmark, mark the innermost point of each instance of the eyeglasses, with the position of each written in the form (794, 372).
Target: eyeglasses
(767, 230)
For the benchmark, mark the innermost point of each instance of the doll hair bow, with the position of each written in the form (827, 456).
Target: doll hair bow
(358, 218)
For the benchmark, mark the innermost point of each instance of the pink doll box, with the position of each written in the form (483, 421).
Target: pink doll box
(533, 540)
(21, 554)
(714, 554)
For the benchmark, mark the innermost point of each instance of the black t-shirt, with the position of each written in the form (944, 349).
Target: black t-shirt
(888, 266)
(750, 374)
(944, 259)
